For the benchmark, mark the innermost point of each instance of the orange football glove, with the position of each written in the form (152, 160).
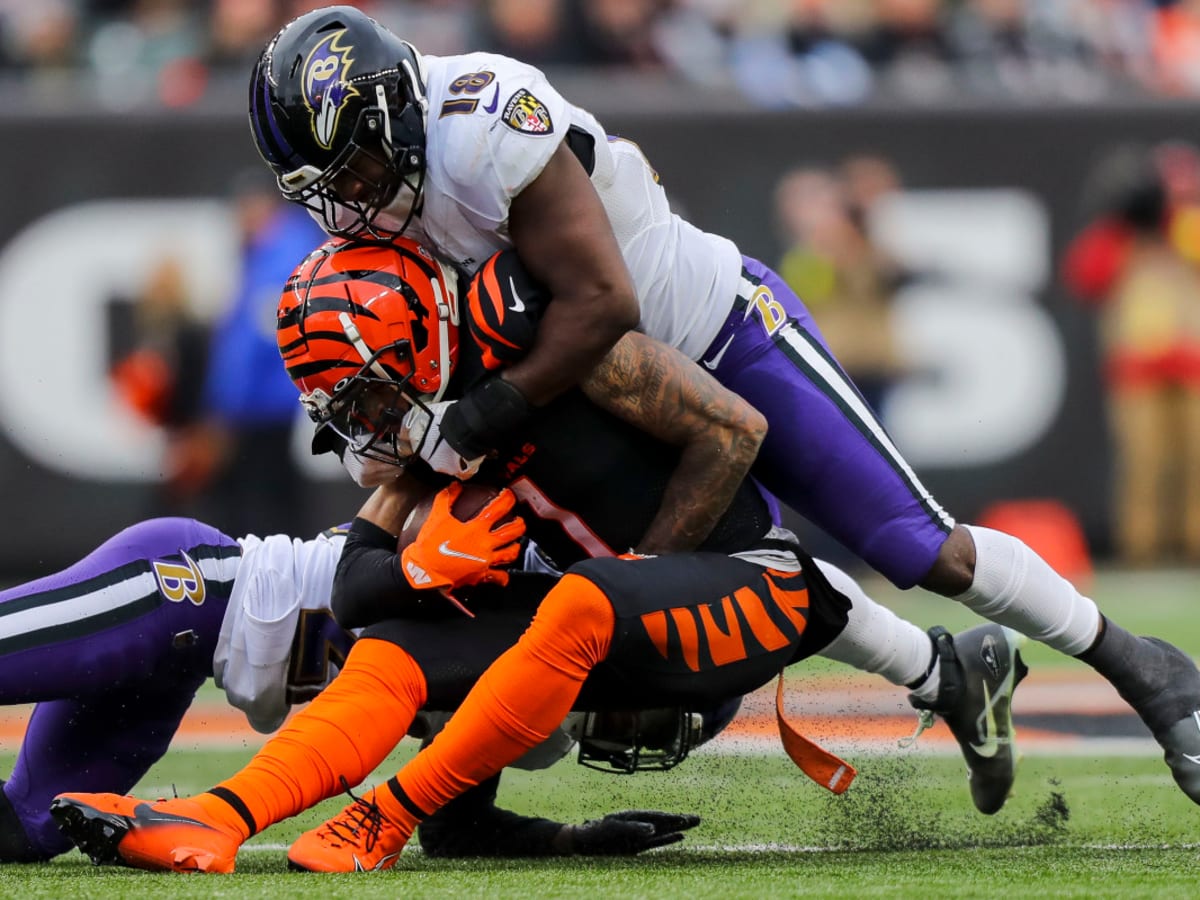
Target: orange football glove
(449, 553)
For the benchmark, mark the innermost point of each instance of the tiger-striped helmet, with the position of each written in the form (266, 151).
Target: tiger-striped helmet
(366, 330)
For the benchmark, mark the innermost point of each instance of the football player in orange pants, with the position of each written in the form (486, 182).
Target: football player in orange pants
(370, 333)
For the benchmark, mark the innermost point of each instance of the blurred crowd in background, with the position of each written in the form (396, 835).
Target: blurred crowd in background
(1135, 264)
(225, 405)
(774, 53)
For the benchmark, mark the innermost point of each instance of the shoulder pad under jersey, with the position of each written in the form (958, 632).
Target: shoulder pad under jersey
(504, 306)
(495, 123)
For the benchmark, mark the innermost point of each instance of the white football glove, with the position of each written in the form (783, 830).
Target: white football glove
(424, 433)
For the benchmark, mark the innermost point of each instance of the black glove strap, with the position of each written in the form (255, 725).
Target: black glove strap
(487, 413)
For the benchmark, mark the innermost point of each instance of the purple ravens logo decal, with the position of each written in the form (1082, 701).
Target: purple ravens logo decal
(326, 87)
(526, 113)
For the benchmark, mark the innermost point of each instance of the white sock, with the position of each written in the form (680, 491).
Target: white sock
(1015, 587)
(876, 640)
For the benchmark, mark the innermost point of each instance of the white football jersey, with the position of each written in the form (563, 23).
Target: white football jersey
(281, 591)
(492, 126)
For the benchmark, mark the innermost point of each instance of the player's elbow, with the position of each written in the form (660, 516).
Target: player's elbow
(342, 605)
(737, 443)
(625, 313)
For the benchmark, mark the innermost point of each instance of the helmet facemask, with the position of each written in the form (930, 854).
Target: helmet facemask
(367, 410)
(380, 169)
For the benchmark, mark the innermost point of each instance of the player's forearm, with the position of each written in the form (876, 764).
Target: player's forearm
(660, 391)
(390, 503)
(562, 234)
(699, 492)
(368, 586)
(573, 337)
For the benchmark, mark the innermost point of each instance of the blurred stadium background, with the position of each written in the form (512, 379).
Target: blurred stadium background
(993, 206)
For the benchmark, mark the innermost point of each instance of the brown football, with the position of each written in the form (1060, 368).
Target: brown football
(471, 500)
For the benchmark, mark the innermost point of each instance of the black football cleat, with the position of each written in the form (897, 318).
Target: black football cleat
(1163, 687)
(980, 669)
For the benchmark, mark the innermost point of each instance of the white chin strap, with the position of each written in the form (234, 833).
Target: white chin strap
(447, 313)
(381, 100)
(417, 80)
(360, 346)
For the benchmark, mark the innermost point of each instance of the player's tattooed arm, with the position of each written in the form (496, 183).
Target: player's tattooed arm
(662, 392)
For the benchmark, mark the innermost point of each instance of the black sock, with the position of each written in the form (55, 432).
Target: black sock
(1109, 653)
(1146, 672)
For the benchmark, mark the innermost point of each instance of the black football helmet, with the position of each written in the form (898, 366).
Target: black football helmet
(337, 110)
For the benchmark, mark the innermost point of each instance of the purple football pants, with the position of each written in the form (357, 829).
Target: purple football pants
(112, 651)
(826, 455)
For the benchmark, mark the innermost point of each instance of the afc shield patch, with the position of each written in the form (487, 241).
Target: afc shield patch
(526, 113)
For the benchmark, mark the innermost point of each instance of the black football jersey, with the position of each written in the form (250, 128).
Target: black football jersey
(589, 484)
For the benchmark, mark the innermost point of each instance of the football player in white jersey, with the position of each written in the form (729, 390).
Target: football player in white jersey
(469, 154)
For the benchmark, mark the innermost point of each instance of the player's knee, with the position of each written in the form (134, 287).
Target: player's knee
(576, 610)
(954, 569)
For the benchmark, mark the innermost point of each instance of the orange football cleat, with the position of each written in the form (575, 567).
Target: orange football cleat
(358, 839)
(163, 835)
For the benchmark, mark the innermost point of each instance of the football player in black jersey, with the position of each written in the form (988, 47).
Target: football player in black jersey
(680, 588)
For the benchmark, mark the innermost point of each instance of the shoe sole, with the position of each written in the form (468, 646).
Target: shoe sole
(382, 866)
(98, 835)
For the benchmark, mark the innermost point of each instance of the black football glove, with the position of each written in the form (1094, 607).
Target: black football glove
(627, 833)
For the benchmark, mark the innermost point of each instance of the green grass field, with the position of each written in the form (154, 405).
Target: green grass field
(1077, 826)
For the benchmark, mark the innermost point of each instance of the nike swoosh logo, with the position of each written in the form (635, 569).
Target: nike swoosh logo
(359, 867)
(991, 743)
(1194, 760)
(711, 364)
(445, 549)
(990, 746)
(518, 305)
(145, 815)
(491, 107)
